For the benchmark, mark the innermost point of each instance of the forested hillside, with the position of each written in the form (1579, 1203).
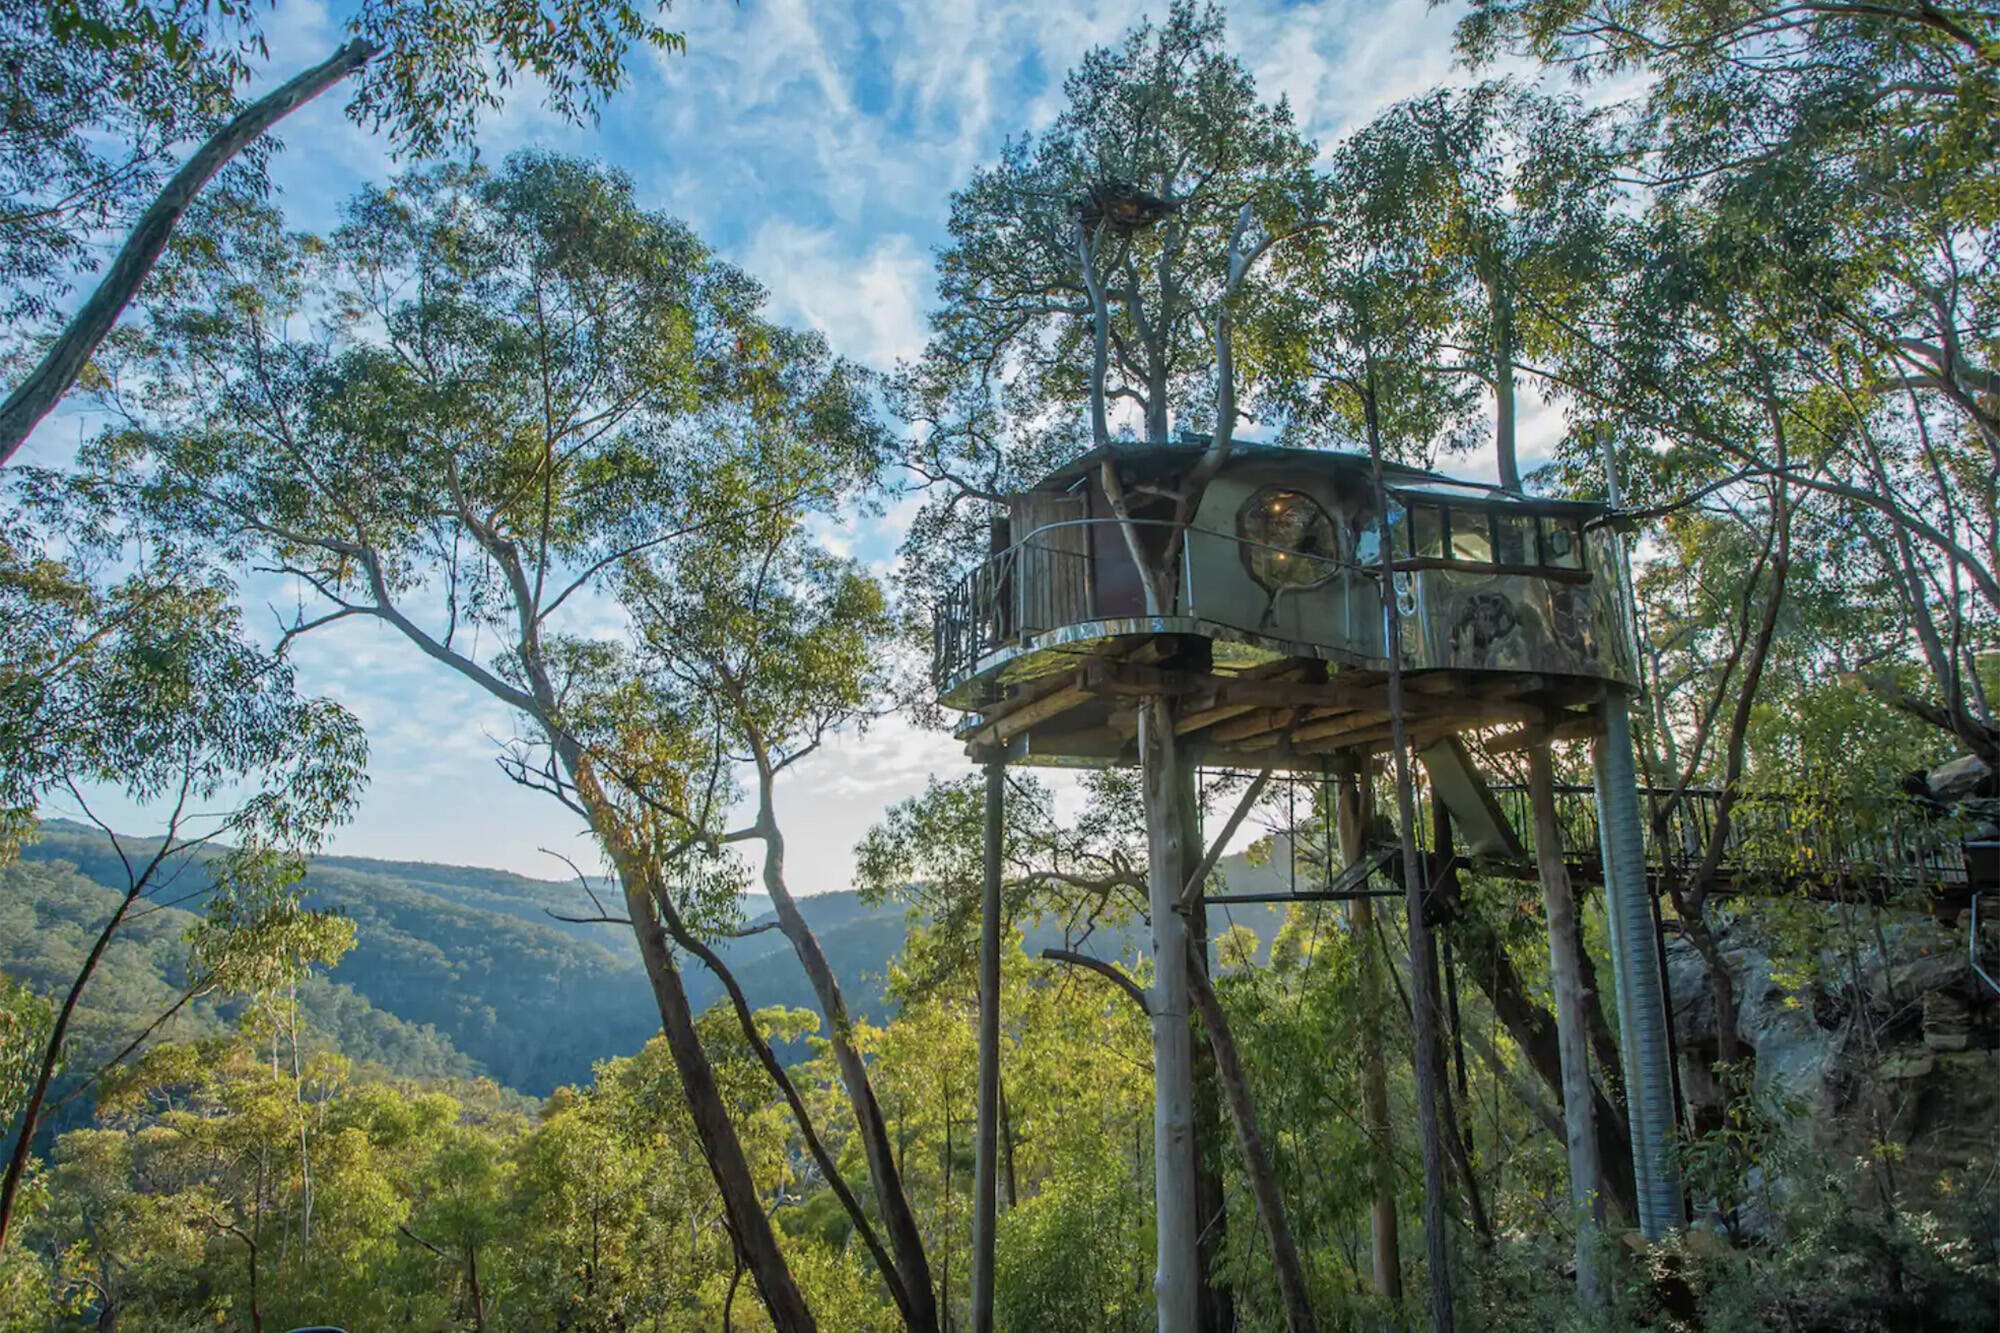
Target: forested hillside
(455, 970)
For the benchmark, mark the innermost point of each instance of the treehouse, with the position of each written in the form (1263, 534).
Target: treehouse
(1258, 627)
(1271, 631)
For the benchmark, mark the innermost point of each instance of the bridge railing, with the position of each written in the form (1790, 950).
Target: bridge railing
(1775, 840)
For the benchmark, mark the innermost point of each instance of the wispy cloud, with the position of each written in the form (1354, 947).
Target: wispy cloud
(816, 144)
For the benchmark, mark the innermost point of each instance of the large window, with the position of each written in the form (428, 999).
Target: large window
(1288, 539)
(1470, 534)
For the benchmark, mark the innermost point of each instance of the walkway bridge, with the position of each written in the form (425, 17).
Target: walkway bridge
(1889, 850)
(1877, 849)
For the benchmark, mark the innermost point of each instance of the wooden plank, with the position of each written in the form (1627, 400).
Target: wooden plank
(1208, 717)
(1026, 696)
(1565, 727)
(1255, 724)
(1486, 712)
(1296, 693)
(1509, 687)
(1050, 705)
(1207, 707)
(1131, 679)
(1334, 728)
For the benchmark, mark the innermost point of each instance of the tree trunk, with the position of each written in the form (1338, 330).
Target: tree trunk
(1502, 303)
(1257, 1168)
(31, 1115)
(1175, 1286)
(1534, 1031)
(1721, 987)
(746, 1021)
(45, 385)
(1007, 1147)
(472, 1282)
(1572, 1038)
(1423, 982)
(748, 1225)
(906, 1240)
(1352, 818)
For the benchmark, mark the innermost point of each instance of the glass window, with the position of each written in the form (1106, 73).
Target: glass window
(1368, 538)
(1427, 532)
(1516, 536)
(1288, 539)
(1471, 539)
(1562, 543)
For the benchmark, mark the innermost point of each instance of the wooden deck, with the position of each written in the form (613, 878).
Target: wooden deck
(1288, 713)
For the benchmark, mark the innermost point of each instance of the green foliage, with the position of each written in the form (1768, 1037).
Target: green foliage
(1076, 1257)
(25, 1020)
(110, 92)
(494, 393)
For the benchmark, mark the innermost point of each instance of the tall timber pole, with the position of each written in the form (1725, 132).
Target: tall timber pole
(1572, 1037)
(1176, 1276)
(1352, 814)
(986, 1161)
(1423, 963)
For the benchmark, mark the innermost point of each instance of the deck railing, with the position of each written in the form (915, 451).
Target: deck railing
(1025, 589)
(1037, 585)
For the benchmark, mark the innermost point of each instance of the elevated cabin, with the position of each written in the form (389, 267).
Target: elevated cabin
(1513, 611)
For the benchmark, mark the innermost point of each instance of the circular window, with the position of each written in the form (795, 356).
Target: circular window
(1288, 539)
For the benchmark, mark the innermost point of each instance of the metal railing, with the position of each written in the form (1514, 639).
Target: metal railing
(1774, 840)
(1034, 586)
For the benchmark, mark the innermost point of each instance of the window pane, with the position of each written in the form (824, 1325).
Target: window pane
(1290, 539)
(1427, 529)
(1517, 538)
(1368, 539)
(1470, 539)
(1562, 543)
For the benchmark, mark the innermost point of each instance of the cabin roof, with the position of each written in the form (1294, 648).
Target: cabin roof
(1158, 460)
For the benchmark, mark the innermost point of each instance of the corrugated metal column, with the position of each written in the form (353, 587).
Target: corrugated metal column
(1642, 1005)
(986, 1158)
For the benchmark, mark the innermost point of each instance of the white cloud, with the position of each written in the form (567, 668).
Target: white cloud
(870, 306)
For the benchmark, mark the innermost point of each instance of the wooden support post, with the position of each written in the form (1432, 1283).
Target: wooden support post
(1218, 1304)
(1177, 1269)
(1354, 809)
(985, 1158)
(1586, 1191)
(1423, 979)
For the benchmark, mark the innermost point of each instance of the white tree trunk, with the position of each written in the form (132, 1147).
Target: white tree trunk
(1176, 1279)
(1572, 1035)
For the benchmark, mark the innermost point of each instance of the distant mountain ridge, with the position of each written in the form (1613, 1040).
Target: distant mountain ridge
(474, 957)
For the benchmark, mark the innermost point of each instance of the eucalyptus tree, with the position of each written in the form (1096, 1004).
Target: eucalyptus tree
(109, 90)
(458, 418)
(756, 625)
(167, 702)
(1834, 169)
(1085, 872)
(1103, 263)
(1358, 330)
(1512, 190)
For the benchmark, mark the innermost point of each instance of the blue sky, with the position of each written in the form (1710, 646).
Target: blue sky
(815, 144)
